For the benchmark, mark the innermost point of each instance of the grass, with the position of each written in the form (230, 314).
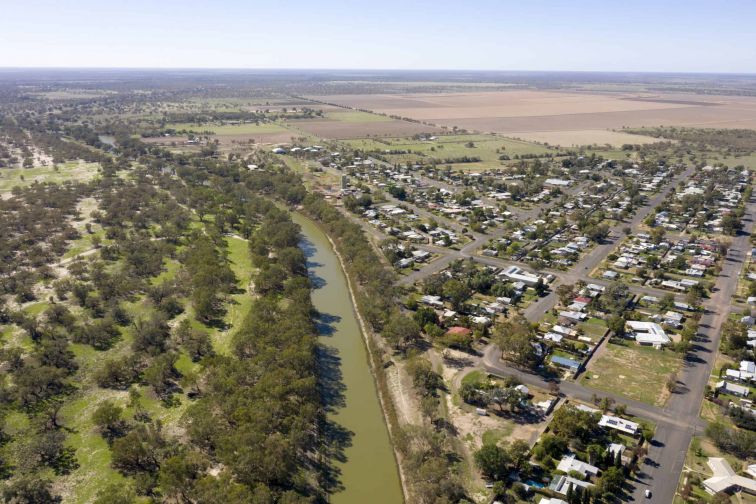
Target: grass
(355, 116)
(92, 451)
(22, 177)
(82, 244)
(474, 377)
(636, 372)
(495, 436)
(486, 147)
(593, 328)
(239, 305)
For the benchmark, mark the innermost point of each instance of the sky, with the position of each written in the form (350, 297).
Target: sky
(578, 35)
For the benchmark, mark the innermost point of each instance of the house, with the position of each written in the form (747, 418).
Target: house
(733, 388)
(647, 333)
(725, 479)
(565, 363)
(573, 315)
(517, 274)
(620, 424)
(747, 370)
(571, 463)
(459, 331)
(562, 484)
(556, 182)
(615, 448)
(523, 389)
(557, 338)
(431, 300)
(551, 500)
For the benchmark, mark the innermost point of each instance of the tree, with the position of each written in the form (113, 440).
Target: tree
(616, 324)
(509, 397)
(610, 481)
(116, 493)
(493, 461)
(657, 235)
(519, 452)
(456, 292)
(108, 417)
(731, 224)
(514, 339)
(564, 292)
(572, 423)
(29, 490)
(179, 474)
(401, 331)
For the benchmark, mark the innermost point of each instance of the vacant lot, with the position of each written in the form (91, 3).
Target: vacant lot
(524, 113)
(636, 372)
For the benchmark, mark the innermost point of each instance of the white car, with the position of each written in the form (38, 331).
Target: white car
(648, 493)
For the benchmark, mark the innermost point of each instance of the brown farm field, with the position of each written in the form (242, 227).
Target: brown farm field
(548, 116)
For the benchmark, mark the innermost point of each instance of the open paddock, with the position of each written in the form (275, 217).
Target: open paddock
(336, 130)
(572, 138)
(561, 118)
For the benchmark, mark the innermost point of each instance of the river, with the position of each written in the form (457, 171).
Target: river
(365, 464)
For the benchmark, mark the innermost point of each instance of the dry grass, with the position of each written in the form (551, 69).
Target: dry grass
(583, 137)
(636, 372)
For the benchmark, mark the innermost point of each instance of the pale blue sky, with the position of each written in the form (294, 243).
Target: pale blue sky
(601, 35)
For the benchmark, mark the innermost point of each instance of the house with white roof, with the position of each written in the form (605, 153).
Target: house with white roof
(725, 479)
(620, 424)
(647, 333)
(561, 484)
(571, 463)
(733, 388)
(518, 274)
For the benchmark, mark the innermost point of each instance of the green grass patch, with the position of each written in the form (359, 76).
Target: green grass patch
(22, 177)
(474, 377)
(239, 304)
(495, 436)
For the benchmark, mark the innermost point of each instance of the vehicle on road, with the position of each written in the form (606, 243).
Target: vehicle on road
(648, 493)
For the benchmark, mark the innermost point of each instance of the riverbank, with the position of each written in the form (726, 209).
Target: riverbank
(372, 350)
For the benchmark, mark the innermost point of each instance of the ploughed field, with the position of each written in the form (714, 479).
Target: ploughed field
(560, 118)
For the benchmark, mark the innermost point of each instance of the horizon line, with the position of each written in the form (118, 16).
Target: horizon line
(344, 69)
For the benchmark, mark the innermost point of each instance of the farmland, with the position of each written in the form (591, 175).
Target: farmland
(559, 118)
